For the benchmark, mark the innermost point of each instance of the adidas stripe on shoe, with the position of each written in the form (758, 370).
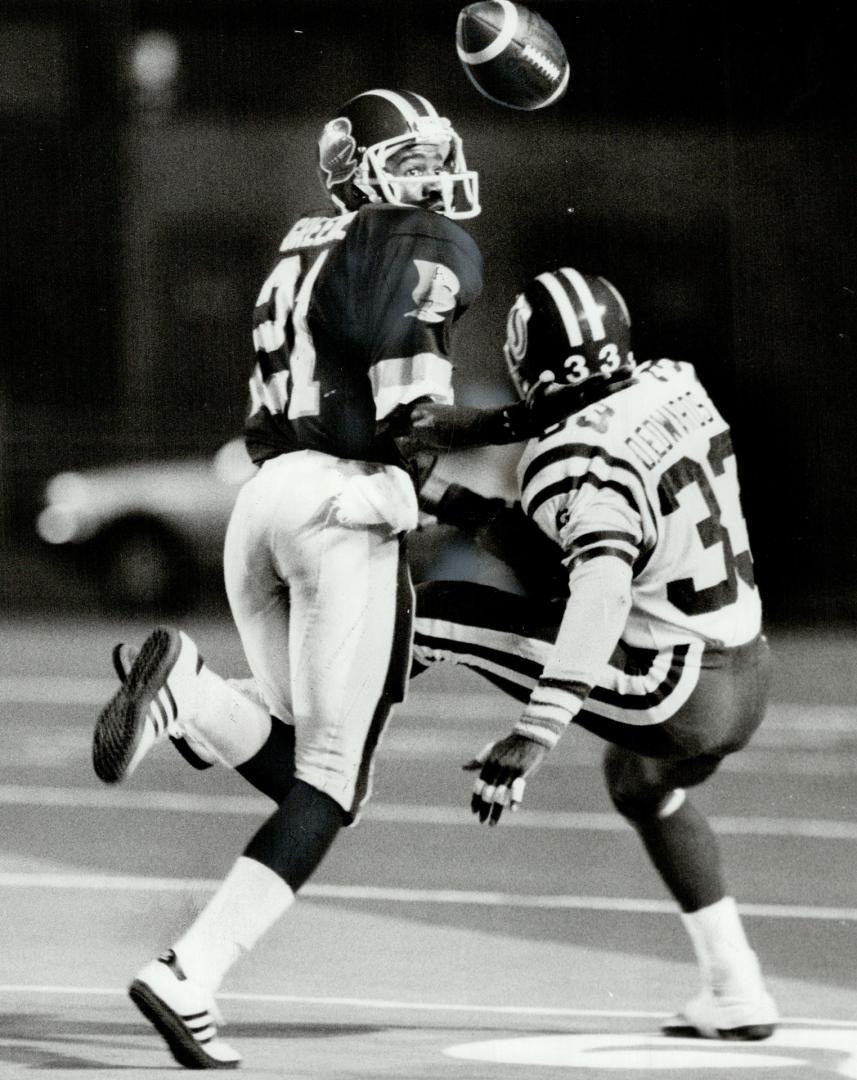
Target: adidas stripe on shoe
(144, 708)
(123, 658)
(183, 1014)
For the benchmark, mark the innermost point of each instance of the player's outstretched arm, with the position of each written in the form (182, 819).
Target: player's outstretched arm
(458, 427)
(591, 625)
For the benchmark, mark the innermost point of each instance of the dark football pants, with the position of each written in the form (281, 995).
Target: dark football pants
(506, 638)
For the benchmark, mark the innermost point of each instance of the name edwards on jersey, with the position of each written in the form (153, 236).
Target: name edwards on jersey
(655, 436)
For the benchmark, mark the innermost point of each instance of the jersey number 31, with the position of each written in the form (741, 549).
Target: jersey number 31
(284, 381)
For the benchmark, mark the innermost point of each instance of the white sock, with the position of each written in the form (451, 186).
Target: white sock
(726, 960)
(249, 688)
(234, 725)
(249, 901)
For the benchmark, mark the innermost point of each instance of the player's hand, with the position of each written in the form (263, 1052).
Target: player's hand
(441, 427)
(504, 767)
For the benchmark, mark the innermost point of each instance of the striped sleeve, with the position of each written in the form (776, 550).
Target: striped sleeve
(590, 502)
(621, 544)
(552, 706)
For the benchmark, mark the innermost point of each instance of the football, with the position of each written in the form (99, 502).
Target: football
(511, 54)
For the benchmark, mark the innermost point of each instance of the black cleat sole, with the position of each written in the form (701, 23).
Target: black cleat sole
(748, 1033)
(118, 728)
(193, 759)
(185, 1049)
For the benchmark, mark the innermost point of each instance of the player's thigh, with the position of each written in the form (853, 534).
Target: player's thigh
(445, 603)
(644, 763)
(710, 707)
(728, 704)
(351, 621)
(504, 637)
(258, 599)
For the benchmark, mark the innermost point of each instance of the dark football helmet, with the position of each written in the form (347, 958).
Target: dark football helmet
(570, 329)
(356, 145)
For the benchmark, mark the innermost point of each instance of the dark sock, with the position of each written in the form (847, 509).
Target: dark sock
(296, 837)
(272, 768)
(686, 854)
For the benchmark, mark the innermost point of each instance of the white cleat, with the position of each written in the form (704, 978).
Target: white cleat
(741, 1019)
(193, 751)
(183, 1013)
(146, 707)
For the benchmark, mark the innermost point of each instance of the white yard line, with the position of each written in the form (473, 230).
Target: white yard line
(384, 894)
(80, 798)
(815, 719)
(18, 989)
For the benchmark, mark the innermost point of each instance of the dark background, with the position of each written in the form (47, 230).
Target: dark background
(703, 159)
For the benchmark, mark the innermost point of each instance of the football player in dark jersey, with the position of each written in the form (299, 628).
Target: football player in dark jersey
(653, 642)
(641, 621)
(352, 326)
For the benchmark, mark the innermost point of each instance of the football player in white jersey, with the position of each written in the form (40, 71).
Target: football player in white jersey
(643, 455)
(657, 647)
(352, 326)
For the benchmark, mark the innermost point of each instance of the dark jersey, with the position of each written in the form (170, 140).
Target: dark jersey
(354, 320)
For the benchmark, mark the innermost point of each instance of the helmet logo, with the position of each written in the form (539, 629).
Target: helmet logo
(515, 347)
(516, 327)
(435, 293)
(336, 151)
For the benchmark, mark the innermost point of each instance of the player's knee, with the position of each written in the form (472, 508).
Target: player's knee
(633, 791)
(295, 839)
(638, 807)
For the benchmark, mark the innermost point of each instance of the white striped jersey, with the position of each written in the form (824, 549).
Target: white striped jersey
(355, 320)
(648, 475)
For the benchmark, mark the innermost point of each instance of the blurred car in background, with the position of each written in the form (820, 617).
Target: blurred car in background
(147, 535)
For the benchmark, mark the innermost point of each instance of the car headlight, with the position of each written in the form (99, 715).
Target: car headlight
(69, 488)
(58, 525)
(67, 496)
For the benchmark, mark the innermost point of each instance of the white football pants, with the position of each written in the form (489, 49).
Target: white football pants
(318, 584)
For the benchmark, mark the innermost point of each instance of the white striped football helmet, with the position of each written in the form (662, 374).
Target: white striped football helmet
(355, 147)
(568, 328)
